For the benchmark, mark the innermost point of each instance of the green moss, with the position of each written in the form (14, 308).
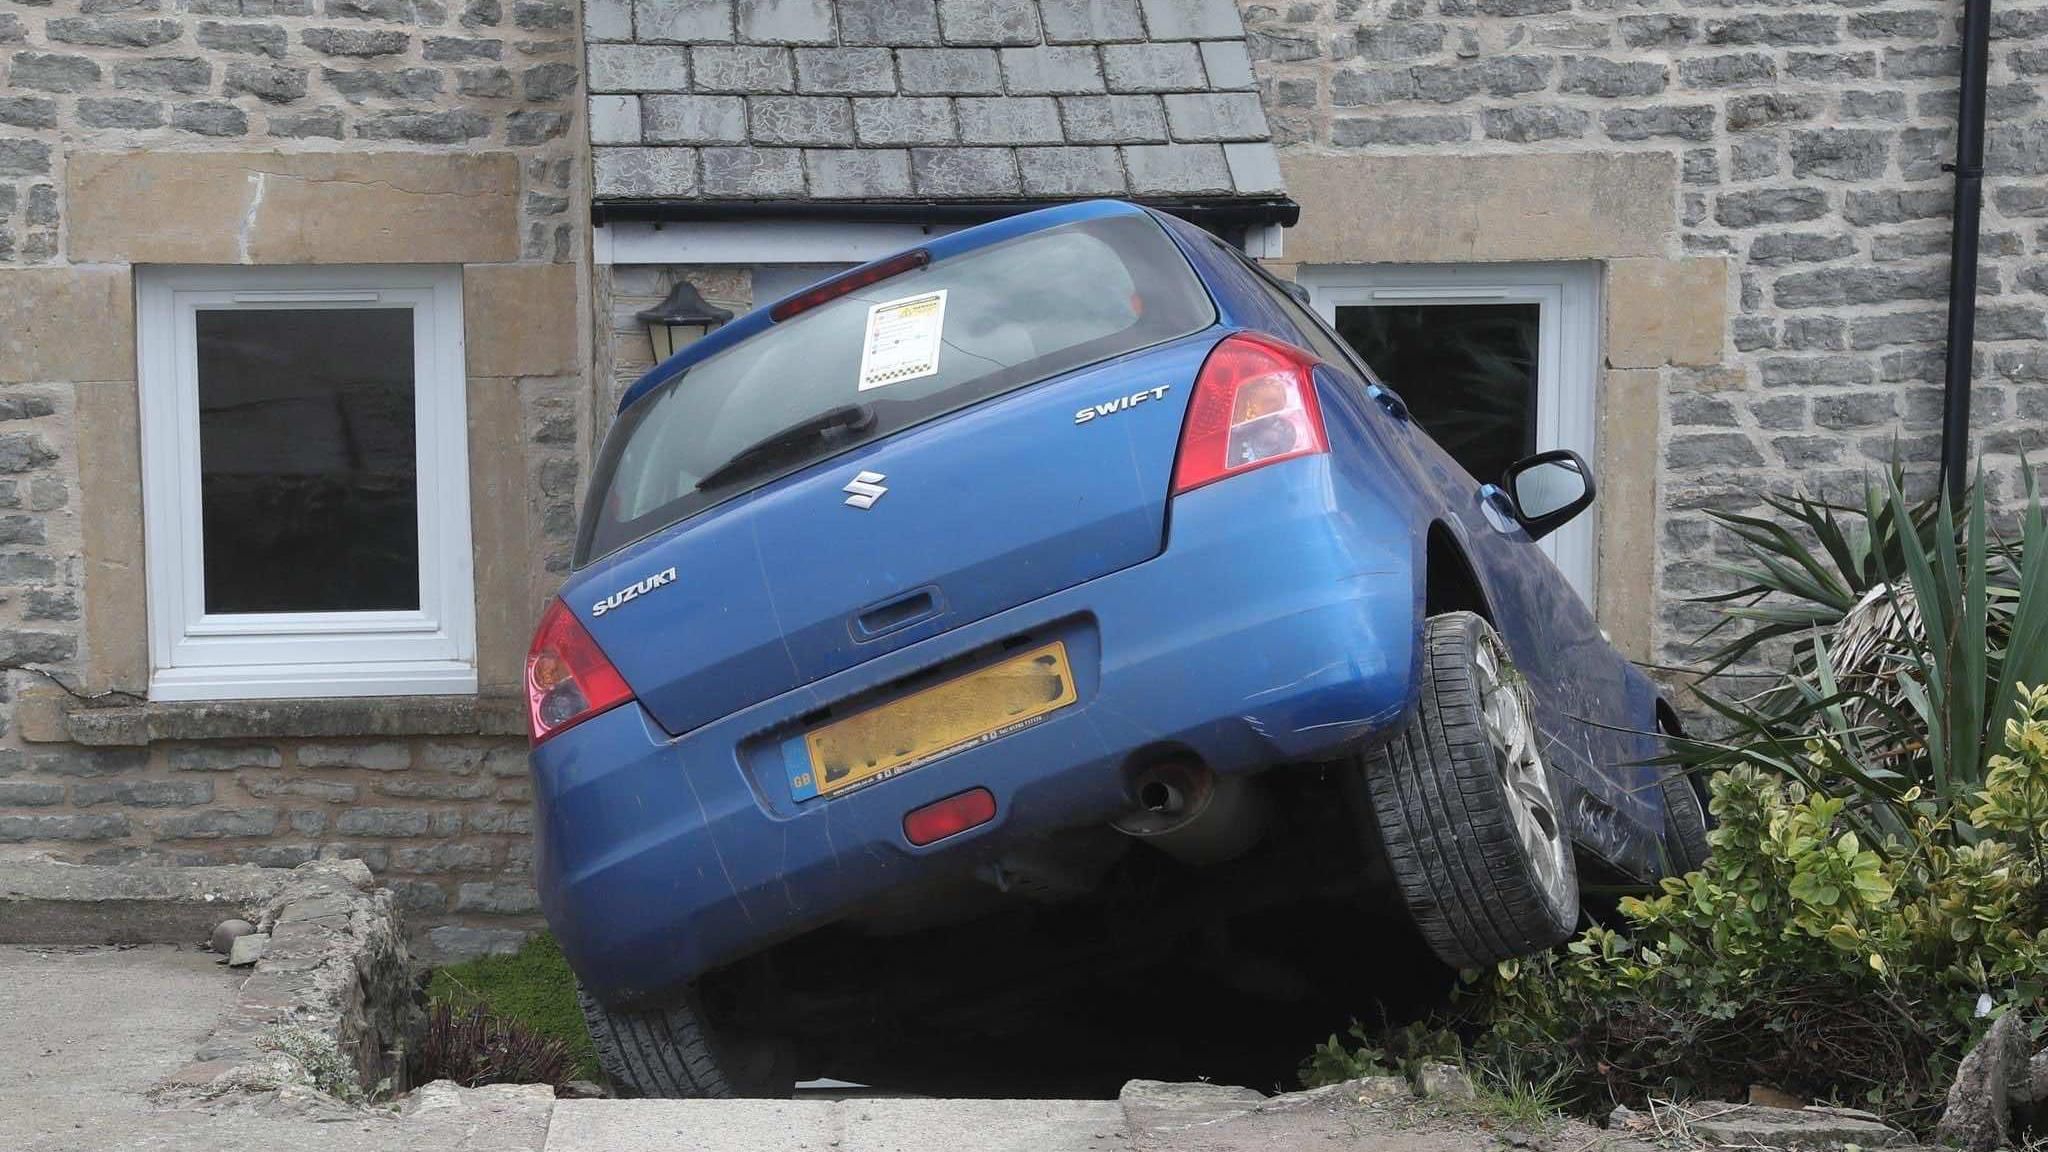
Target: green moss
(532, 986)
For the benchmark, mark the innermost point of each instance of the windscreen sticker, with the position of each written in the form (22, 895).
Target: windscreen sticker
(902, 341)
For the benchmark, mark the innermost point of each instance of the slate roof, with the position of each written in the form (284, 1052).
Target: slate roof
(924, 100)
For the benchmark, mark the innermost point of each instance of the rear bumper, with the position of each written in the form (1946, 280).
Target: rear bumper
(1273, 628)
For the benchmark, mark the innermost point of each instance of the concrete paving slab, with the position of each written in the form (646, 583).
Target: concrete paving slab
(501, 1118)
(837, 1126)
(85, 1031)
(984, 1125)
(694, 1125)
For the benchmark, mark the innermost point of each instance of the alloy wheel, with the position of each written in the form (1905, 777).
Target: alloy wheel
(1524, 779)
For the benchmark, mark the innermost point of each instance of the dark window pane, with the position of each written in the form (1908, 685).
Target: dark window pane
(1017, 312)
(1467, 372)
(307, 474)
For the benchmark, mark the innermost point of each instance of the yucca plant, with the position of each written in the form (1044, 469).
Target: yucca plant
(1912, 635)
(1811, 567)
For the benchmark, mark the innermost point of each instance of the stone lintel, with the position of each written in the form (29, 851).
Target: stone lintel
(1429, 209)
(293, 208)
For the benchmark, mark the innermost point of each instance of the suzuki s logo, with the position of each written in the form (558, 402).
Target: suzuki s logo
(1120, 403)
(865, 489)
(633, 591)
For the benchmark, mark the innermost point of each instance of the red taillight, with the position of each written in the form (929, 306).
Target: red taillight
(839, 286)
(1254, 405)
(568, 679)
(949, 817)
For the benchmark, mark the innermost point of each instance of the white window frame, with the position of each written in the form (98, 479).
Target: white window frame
(195, 655)
(1568, 356)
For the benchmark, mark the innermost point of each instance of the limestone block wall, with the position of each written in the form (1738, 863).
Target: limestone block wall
(280, 132)
(1807, 145)
(444, 823)
(285, 75)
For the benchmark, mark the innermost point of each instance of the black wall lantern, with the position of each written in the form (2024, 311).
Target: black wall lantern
(681, 318)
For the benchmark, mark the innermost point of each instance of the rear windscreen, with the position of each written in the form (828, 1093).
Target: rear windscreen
(883, 358)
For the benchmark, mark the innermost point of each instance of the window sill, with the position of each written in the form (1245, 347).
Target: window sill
(137, 724)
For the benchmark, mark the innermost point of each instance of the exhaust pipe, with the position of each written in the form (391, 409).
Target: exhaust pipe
(1193, 815)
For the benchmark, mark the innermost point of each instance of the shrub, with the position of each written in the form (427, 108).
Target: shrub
(1805, 955)
(532, 987)
(1910, 686)
(1398, 1052)
(473, 1048)
(318, 1059)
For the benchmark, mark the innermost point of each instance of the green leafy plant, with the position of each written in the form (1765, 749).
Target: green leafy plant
(1332, 1062)
(1917, 704)
(1396, 1052)
(1811, 568)
(1803, 954)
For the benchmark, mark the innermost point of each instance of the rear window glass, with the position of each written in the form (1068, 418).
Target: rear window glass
(886, 357)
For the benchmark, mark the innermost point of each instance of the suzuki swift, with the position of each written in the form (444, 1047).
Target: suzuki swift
(1063, 571)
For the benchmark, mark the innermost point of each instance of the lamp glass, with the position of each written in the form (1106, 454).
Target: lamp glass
(667, 338)
(684, 316)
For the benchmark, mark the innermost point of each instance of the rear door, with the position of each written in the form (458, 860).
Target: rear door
(1018, 442)
(1585, 703)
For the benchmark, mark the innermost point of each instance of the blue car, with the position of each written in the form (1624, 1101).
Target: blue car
(1065, 563)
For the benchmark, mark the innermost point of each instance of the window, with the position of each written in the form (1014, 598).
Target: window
(1495, 361)
(305, 482)
(1011, 313)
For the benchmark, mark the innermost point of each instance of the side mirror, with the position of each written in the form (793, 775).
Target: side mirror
(1297, 293)
(1548, 489)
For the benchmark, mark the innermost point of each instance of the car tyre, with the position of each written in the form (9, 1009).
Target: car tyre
(675, 1053)
(1472, 833)
(1685, 824)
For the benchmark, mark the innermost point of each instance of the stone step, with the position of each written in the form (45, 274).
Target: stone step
(870, 1125)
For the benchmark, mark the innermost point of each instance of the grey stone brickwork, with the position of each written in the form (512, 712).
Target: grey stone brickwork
(1810, 142)
(913, 99)
(290, 75)
(443, 821)
(445, 824)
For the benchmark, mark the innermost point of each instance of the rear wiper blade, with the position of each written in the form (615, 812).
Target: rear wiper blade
(846, 421)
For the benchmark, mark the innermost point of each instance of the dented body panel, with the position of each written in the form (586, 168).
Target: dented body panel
(1274, 620)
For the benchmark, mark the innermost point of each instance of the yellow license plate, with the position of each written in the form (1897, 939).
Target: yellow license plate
(942, 719)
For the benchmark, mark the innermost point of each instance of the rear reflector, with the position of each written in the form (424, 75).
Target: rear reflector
(852, 281)
(568, 679)
(1254, 405)
(949, 817)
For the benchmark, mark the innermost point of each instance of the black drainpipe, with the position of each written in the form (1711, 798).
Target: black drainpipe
(1962, 268)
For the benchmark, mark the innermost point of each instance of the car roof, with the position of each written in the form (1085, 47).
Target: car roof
(952, 244)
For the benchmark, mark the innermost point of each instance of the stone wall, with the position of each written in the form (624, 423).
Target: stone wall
(1809, 146)
(620, 292)
(286, 75)
(141, 132)
(445, 824)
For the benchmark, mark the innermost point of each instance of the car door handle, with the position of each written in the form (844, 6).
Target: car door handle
(1499, 508)
(1389, 400)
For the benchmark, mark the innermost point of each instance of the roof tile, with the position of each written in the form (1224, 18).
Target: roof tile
(880, 99)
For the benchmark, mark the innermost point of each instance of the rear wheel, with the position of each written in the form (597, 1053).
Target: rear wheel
(676, 1053)
(1465, 811)
(1685, 814)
